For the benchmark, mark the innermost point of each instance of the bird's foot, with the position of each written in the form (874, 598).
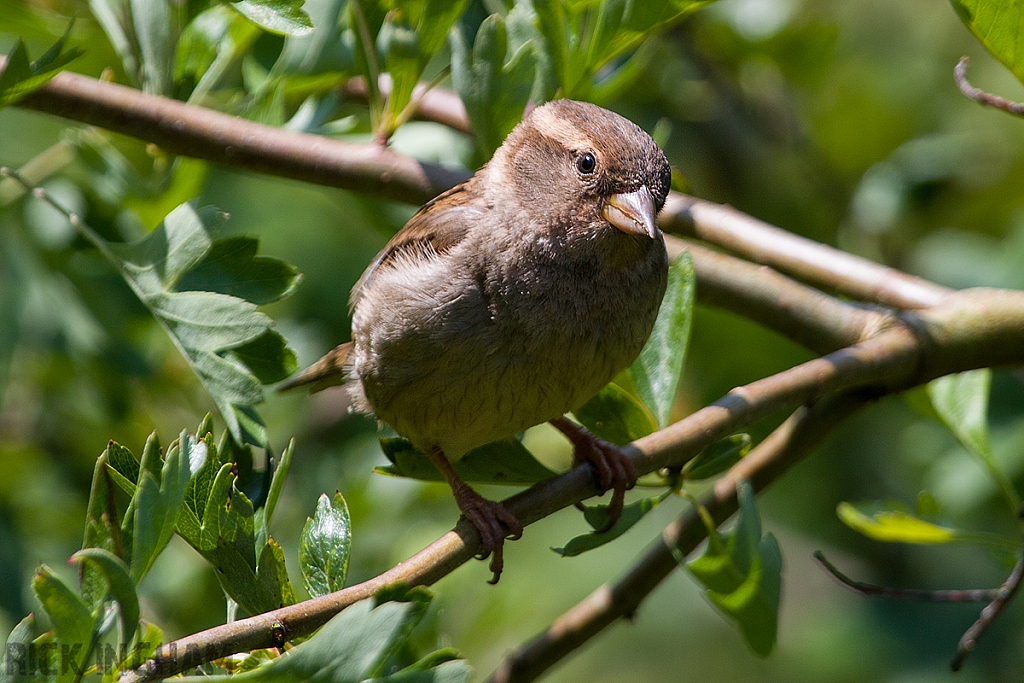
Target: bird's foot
(494, 523)
(613, 468)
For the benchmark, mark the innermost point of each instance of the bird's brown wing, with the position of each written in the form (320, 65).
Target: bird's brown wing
(439, 225)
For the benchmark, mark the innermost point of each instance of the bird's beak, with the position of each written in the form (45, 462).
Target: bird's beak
(632, 212)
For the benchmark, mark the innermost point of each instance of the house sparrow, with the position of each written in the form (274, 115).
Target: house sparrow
(513, 298)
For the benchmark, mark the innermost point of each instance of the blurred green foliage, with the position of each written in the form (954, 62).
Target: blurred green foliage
(836, 120)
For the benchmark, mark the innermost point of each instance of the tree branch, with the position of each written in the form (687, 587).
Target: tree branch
(375, 170)
(893, 360)
(804, 259)
(786, 446)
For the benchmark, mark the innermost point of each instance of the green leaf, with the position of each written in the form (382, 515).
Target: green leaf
(892, 525)
(272, 576)
(999, 25)
(597, 517)
(16, 664)
(231, 267)
(156, 28)
(412, 32)
(204, 293)
(284, 17)
(501, 462)
(718, 457)
(150, 637)
(73, 622)
(266, 514)
(961, 401)
(324, 546)
(615, 416)
(21, 77)
(157, 502)
(354, 646)
(655, 373)
(741, 572)
(494, 91)
(121, 587)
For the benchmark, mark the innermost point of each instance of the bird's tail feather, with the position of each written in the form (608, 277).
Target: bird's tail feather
(329, 371)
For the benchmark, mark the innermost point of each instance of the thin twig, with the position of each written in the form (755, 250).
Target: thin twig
(786, 446)
(870, 589)
(992, 610)
(980, 96)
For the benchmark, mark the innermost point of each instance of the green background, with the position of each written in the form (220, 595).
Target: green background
(835, 120)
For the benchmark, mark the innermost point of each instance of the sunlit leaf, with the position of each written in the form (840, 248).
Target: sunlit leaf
(999, 25)
(277, 16)
(204, 293)
(961, 401)
(656, 372)
(324, 546)
(494, 90)
(156, 504)
(741, 572)
(892, 525)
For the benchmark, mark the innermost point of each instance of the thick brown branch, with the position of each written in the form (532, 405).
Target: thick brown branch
(206, 134)
(781, 450)
(889, 362)
(804, 259)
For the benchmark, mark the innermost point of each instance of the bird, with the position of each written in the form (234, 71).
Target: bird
(513, 298)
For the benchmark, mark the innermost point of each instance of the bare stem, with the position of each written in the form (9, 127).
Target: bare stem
(992, 610)
(980, 96)
(870, 589)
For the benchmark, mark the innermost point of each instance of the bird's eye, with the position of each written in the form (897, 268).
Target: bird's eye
(586, 163)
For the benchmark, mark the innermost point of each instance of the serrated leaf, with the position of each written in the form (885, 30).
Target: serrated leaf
(21, 77)
(494, 91)
(501, 462)
(615, 416)
(284, 17)
(324, 546)
(272, 575)
(597, 517)
(656, 372)
(120, 585)
(15, 661)
(892, 525)
(741, 572)
(228, 343)
(232, 267)
(999, 25)
(718, 457)
(265, 515)
(157, 503)
(73, 622)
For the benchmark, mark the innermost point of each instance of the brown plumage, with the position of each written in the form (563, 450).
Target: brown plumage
(513, 298)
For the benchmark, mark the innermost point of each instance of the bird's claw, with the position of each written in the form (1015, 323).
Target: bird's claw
(613, 469)
(494, 523)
